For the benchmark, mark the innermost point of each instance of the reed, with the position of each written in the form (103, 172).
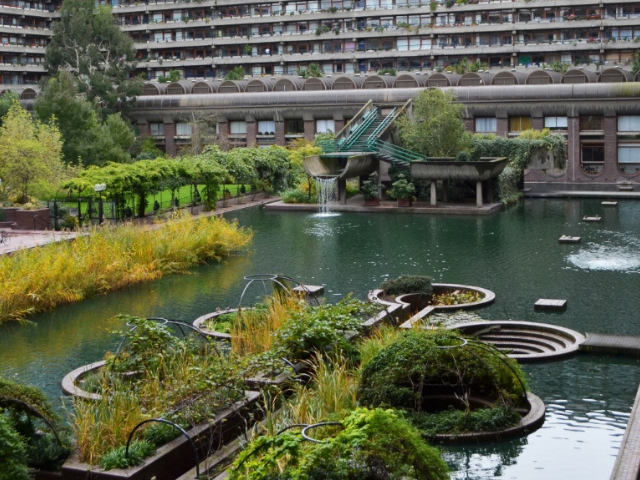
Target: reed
(110, 258)
(252, 331)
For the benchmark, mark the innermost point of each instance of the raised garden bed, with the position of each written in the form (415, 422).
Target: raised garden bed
(176, 457)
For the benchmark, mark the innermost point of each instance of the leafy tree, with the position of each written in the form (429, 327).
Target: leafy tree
(312, 71)
(12, 452)
(6, 100)
(86, 139)
(236, 73)
(298, 151)
(87, 42)
(436, 128)
(30, 152)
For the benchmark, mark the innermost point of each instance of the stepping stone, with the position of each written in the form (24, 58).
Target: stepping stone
(608, 203)
(309, 290)
(625, 187)
(550, 304)
(568, 239)
(591, 219)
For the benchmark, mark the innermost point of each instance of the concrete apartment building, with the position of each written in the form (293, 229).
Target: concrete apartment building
(204, 39)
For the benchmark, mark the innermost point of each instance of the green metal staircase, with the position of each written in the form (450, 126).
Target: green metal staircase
(364, 138)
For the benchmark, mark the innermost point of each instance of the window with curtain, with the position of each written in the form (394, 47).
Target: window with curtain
(486, 125)
(266, 127)
(555, 123)
(325, 126)
(238, 128)
(519, 124)
(183, 129)
(157, 129)
(629, 123)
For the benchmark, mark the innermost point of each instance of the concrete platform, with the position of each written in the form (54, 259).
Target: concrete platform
(609, 204)
(591, 219)
(627, 466)
(611, 344)
(568, 239)
(356, 204)
(309, 290)
(550, 304)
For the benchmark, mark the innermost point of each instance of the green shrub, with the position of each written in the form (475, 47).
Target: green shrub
(13, 465)
(160, 433)
(421, 363)
(368, 444)
(115, 458)
(295, 195)
(408, 284)
(459, 421)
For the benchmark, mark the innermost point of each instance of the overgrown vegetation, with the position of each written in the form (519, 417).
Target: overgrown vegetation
(110, 258)
(407, 284)
(184, 380)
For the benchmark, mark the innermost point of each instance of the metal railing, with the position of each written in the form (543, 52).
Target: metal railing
(397, 153)
(386, 122)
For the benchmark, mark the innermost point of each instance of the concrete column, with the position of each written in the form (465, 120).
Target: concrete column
(433, 193)
(342, 191)
(445, 191)
(280, 140)
(478, 193)
(309, 130)
(502, 127)
(169, 139)
(611, 170)
(223, 130)
(252, 133)
(573, 149)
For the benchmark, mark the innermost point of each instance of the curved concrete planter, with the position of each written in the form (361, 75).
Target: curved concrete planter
(531, 421)
(441, 169)
(199, 323)
(409, 301)
(71, 380)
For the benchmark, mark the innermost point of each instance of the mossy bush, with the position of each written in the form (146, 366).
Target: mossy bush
(436, 362)
(368, 444)
(408, 284)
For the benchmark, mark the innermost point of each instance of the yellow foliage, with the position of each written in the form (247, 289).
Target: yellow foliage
(110, 258)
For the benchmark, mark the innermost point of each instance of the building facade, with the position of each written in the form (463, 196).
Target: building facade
(206, 39)
(598, 113)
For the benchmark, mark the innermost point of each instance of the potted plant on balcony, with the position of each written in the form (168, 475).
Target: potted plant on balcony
(403, 191)
(370, 192)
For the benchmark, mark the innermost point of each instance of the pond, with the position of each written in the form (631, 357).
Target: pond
(516, 254)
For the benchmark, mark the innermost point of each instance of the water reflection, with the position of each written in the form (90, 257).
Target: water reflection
(516, 254)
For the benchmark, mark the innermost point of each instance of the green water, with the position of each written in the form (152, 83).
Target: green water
(516, 254)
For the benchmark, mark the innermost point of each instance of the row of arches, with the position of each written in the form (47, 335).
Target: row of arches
(405, 80)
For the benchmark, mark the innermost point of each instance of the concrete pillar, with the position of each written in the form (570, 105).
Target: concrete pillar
(502, 127)
(252, 133)
(433, 193)
(280, 139)
(169, 138)
(309, 130)
(478, 193)
(611, 170)
(342, 191)
(573, 149)
(223, 130)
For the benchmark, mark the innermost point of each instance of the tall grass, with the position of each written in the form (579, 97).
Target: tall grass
(252, 330)
(110, 258)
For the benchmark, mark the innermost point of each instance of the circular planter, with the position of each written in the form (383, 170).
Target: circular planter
(199, 323)
(531, 421)
(413, 301)
(71, 380)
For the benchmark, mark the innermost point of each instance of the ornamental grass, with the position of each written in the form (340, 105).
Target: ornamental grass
(110, 258)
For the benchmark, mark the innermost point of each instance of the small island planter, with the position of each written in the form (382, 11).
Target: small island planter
(405, 202)
(371, 202)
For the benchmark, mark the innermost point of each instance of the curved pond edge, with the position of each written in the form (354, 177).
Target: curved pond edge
(200, 321)
(488, 297)
(70, 381)
(527, 424)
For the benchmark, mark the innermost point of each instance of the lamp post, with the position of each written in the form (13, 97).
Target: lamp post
(99, 188)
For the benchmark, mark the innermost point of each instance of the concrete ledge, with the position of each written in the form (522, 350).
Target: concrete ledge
(627, 466)
(391, 207)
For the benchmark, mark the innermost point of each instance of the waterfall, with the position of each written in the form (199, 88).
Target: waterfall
(327, 191)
